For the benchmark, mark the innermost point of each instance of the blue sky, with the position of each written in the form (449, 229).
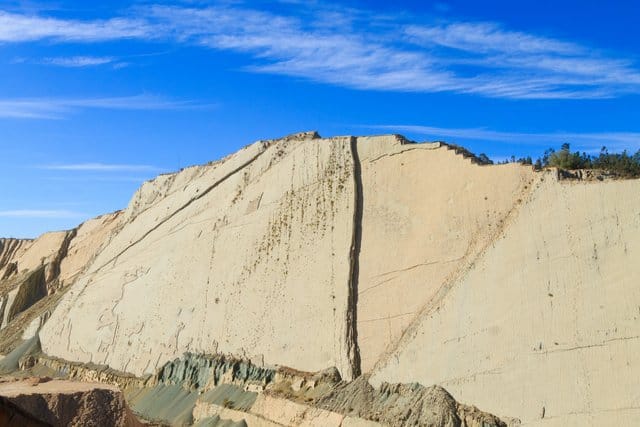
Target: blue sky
(96, 98)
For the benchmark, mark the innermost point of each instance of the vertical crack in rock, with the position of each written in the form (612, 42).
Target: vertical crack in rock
(32, 290)
(356, 241)
(8, 248)
(54, 267)
(186, 205)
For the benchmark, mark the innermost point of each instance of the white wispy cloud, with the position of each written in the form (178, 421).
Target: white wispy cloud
(101, 167)
(589, 141)
(40, 213)
(21, 28)
(79, 61)
(55, 108)
(363, 50)
(485, 37)
(546, 63)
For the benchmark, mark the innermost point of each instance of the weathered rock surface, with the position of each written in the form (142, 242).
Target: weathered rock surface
(428, 213)
(398, 262)
(66, 403)
(12, 416)
(207, 254)
(549, 314)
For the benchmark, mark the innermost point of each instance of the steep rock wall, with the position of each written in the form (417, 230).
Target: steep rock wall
(9, 249)
(29, 255)
(512, 290)
(545, 325)
(89, 239)
(36, 272)
(248, 256)
(428, 213)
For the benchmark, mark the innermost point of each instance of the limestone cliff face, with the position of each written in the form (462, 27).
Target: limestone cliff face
(248, 256)
(9, 248)
(514, 290)
(549, 313)
(34, 273)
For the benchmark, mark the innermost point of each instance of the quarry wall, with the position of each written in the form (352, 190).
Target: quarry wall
(545, 325)
(251, 257)
(515, 291)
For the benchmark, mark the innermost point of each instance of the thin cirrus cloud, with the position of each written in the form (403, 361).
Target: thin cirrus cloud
(21, 28)
(360, 49)
(57, 108)
(40, 213)
(78, 61)
(486, 37)
(586, 141)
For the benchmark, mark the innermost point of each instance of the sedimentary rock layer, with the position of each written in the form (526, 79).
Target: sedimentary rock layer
(65, 403)
(549, 314)
(34, 274)
(513, 289)
(247, 256)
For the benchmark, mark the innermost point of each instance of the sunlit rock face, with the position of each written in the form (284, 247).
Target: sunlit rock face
(514, 290)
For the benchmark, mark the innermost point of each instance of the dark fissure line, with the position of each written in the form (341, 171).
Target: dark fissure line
(356, 242)
(186, 205)
(62, 253)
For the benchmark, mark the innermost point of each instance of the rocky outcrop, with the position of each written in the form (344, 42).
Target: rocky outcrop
(65, 403)
(428, 214)
(31, 271)
(8, 250)
(200, 389)
(403, 405)
(13, 416)
(394, 262)
(34, 273)
(547, 312)
(271, 226)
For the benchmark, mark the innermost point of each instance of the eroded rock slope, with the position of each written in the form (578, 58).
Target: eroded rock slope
(391, 261)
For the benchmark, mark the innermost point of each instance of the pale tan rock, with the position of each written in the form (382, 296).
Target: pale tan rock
(31, 270)
(358, 422)
(514, 291)
(427, 214)
(40, 251)
(208, 269)
(7, 303)
(88, 241)
(204, 410)
(545, 325)
(289, 413)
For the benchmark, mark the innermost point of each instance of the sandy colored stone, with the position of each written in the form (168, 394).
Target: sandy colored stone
(205, 410)
(289, 413)
(427, 214)
(249, 256)
(31, 254)
(514, 291)
(545, 325)
(90, 238)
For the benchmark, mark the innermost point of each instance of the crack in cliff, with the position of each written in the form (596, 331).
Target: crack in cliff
(32, 290)
(475, 253)
(186, 205)
(8, 248)
(54, 269)
(402, 151)
(354, 270)
(586, 346)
